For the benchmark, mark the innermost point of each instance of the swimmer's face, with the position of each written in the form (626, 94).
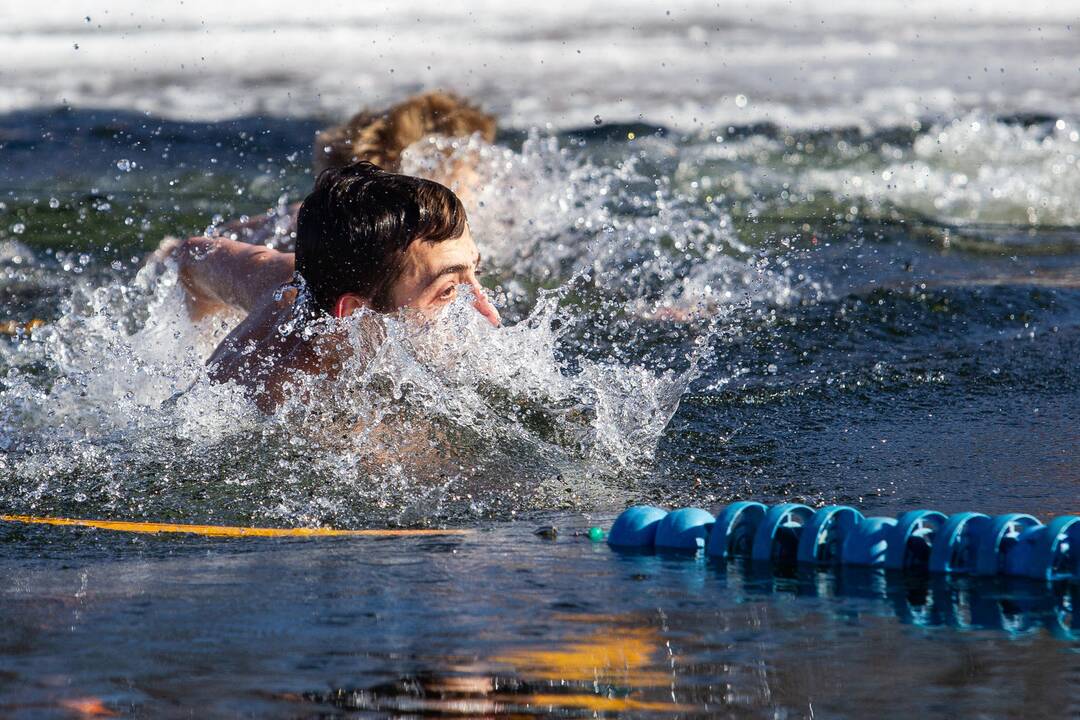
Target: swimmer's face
(433, 275)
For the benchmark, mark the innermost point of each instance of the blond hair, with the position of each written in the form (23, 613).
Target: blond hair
(380, 137)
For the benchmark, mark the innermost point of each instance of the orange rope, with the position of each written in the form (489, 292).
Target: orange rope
(224, 530)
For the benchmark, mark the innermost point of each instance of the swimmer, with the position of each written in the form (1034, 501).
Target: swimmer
(366, 239)
(386, 138)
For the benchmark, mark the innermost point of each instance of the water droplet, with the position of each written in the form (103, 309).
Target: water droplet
(54, 203)
(123, 165)
(597, 120)
(76, 46)
(18, 228)
(740, 101)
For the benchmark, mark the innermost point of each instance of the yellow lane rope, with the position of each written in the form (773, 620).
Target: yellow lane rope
(225, 530)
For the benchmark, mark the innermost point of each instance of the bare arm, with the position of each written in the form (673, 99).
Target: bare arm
(219, 273)
(270, 229)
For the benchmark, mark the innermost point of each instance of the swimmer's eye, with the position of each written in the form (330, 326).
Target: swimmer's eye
(447, 293)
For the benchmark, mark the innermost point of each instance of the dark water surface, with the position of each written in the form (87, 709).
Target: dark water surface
(504, 622)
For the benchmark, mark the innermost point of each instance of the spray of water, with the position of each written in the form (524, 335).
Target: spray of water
(110, 411)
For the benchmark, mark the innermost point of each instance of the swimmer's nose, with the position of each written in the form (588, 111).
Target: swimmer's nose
(484, 306)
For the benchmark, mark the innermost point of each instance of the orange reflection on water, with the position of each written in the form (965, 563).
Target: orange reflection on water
(613, 655)
(597, 703)
(620, 657)
(87, 707)
(616, 664)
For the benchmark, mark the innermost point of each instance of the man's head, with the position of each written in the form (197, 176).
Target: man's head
(369, 238)
(381, 137)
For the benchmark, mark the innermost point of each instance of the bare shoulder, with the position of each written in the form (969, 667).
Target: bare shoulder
(257, 352)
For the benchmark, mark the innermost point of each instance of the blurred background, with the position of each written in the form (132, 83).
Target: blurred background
(688, 65)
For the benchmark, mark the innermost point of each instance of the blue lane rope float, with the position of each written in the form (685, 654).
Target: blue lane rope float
(1014, 545)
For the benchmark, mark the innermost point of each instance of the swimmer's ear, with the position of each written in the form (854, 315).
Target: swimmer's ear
(347, 304)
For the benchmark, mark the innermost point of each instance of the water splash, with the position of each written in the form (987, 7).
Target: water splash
(109, 410)
(626, 225)
(977, 169)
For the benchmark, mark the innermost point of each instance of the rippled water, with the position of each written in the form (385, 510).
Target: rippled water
(820, 256)
(505, 623)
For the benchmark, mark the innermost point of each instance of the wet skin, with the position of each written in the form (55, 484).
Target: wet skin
(219, 274)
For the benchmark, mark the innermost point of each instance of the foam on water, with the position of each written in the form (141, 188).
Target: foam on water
(692, 64)
(971, 169)
(975, 170)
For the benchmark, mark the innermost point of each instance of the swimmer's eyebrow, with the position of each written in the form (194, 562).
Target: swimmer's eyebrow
(455, 269)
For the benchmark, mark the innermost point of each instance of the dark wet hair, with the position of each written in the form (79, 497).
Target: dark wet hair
(355, 227)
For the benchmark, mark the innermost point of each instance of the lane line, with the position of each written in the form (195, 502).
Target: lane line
(226, 530)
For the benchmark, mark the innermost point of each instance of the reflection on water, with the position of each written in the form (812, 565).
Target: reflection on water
(1016, 606)
(611, 668)
(627, 664)
(501, 622)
